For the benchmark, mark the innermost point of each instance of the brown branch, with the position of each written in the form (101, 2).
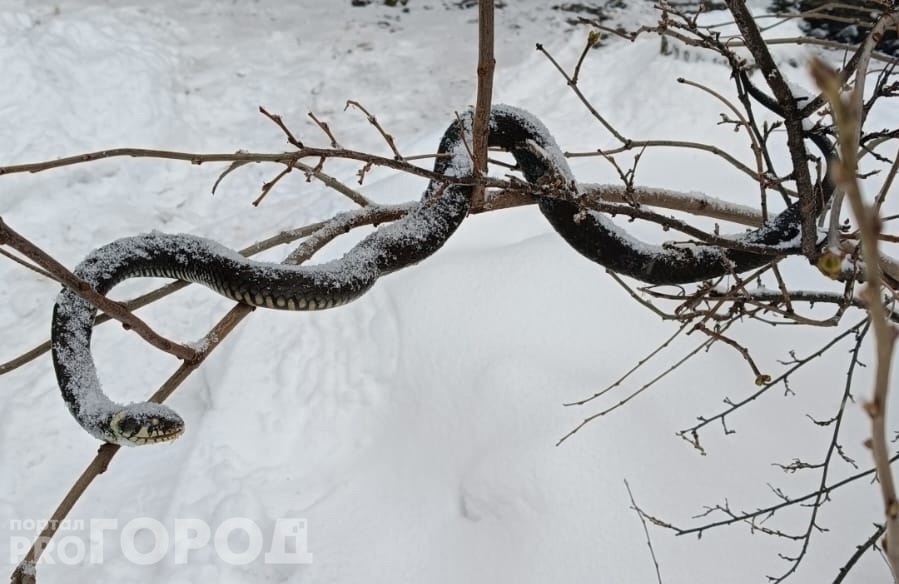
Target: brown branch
(861, 59)
(240, 156)
(825, 466)
(631, 144)
(24, 358)
(374, 122)
(25, 571)
(481, 125)
(734, 42)
(343, 223)
(333, 183)
(267, 187)
(26, 265)
(591, 194)
(116, 310)
(326, 129)
(231, 168)
(593, 38)
(760, 378)
(310, 171)
(813, 297)
(280, 123)
(784, 290)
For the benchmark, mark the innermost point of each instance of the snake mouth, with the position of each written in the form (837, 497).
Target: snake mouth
(142, 424)
(152, 435)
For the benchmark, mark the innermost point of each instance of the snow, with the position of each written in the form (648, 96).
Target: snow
(413, 429)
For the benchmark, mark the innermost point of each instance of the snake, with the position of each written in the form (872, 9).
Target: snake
(409, 240)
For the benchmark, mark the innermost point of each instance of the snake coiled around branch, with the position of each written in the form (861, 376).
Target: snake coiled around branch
(403, 243)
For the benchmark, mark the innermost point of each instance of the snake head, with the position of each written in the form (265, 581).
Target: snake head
(145, 423)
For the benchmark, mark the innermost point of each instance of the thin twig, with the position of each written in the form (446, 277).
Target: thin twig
(391, 143)
(632, 370)
(573, 85)
(770, 510)
(344, 222)
(760, 378)
(859, 552)
(267, 187)
(639, 512)
(27, 265)
(644, 387)
(887, 184)
(324, 127)
(593, 38)
(291, 139)
(25, 571)
(639, 299)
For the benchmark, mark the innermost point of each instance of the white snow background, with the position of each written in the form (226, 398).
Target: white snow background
(414, 429)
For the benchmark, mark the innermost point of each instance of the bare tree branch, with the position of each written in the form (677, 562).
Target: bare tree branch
(486, 65)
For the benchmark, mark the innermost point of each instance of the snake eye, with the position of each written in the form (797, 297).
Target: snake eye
(145, 423)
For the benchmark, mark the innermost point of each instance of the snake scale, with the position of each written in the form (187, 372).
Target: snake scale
(403, 243)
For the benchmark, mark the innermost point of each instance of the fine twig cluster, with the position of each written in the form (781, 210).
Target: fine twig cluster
(834, 123)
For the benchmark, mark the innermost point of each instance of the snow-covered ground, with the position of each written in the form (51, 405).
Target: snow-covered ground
(414, 430)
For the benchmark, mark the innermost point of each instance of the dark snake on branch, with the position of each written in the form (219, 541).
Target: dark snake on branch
(403, 243)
